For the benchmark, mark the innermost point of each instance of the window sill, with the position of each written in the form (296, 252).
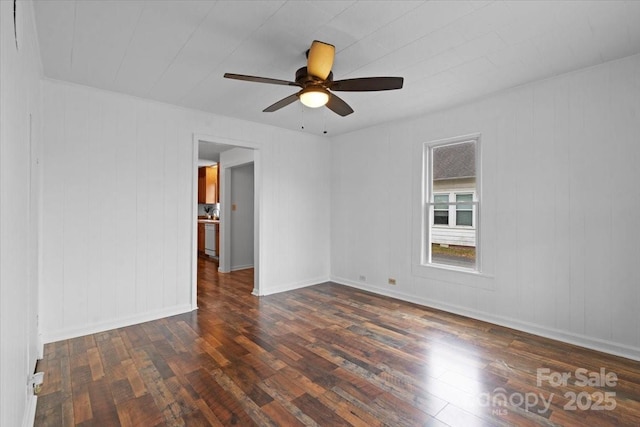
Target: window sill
(455, 275)
(448, 227)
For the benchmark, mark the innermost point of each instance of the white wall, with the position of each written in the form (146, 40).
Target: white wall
(242, 192)
(559, 210)
(20, 118)
(118, 206)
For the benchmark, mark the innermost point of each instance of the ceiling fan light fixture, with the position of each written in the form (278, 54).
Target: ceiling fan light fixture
(318, 86)
(314, 97)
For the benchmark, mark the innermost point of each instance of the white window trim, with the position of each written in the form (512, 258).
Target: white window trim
(427, 202)
(442, 275)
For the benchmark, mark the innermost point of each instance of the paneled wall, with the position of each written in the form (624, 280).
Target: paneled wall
(118, 220)
(559, 210)
(20, 118)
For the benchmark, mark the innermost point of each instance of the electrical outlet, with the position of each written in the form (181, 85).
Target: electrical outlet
(35, 382)
(392, 281)
(362, 278)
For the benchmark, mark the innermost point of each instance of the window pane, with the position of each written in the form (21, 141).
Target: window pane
(441, 201)
(464, 218)
(457, 256)
(464, 198)
(441, 217)
(453, 186)
(464, 212)
(454, 161)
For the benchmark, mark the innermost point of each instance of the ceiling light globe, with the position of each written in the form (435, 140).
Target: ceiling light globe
(314, 97)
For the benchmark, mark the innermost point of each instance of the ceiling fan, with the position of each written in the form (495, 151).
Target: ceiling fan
(316, 81)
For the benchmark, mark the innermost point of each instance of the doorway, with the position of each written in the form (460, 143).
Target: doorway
(239, 164)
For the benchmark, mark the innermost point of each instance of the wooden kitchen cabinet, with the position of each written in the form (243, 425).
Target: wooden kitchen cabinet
(208, 187)
(201, 237)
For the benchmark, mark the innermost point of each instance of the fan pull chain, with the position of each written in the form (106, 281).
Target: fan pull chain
(324, 119)
(302, 115)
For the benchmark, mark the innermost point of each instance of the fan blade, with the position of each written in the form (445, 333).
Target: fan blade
(366, 84)
(282, 103)
(320, 59)
(338, 106)
(260, 79)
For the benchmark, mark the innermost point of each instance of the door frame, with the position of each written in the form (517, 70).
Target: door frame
(257, 197)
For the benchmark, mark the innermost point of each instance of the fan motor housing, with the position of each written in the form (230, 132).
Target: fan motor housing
(303, 78)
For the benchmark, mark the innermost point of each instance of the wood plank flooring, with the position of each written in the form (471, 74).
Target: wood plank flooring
(326, 355)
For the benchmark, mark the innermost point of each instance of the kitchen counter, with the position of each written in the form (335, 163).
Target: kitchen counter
(208, 221)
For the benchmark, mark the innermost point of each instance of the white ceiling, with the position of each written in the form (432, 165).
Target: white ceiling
(210, 152)
(448, 52)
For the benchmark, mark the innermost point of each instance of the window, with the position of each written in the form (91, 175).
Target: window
(451, 203)
(464, 210)
(441, 209)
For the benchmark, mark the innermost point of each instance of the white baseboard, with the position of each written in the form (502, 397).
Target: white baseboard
(64, 334)
(290, 286)
(40, 346)
(29, 418)
(241, 267)
(604, 346)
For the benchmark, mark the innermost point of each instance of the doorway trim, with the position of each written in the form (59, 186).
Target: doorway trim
(257, 197)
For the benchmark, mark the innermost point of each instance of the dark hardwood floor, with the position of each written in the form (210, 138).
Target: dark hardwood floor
(327, 355)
